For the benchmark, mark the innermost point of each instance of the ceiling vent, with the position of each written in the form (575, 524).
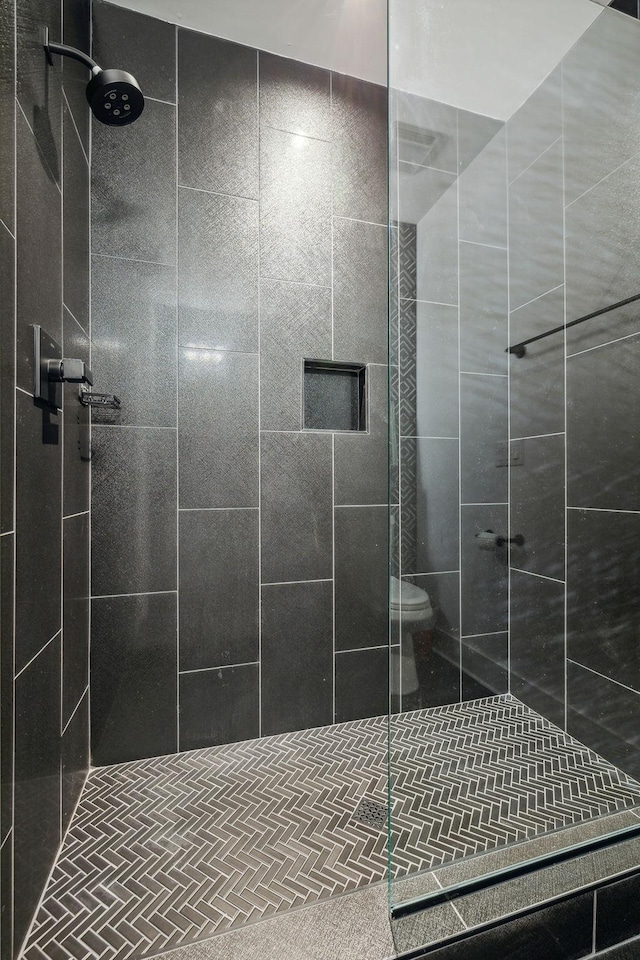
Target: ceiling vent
(416, 146)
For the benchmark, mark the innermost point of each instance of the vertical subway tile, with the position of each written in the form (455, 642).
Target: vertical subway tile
(133, 201)
(485, 665)
(295, 323)
(133, 674)
(603, 607)
(219, 706)
(133, 503)
(536, 225)
(217, 115)
(484, 583)
(484, 431)
(361, 571)
(6, 683)
(437, 250)
(537, 379)
(361, 467)
(600, 273)
(600, 104)
(537, 505)
(419, 191)
(7, 377)
(76, 32)
(536, 125)
(484, 308)
(75, 612)
(537, 644)
(435, 380)
(37, 781)
(38, 528)
(76, 437)
(294, 96)
(6, 897)
(133, 330)
(359, 117)
(219, 587)
(7, 113)
(295, 207)
(604, 716)
(429, 505)
(483, 195)
(360, 257)
(75, 759)
(475, 132)
(218, 453)
(142, 45)
(38, 86)
(218, 271)
(362, 683)
(297, 524)
(297, 656)
(38, 224)
(603, 406)
(75, 221)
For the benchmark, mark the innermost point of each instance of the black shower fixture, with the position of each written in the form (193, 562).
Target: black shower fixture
(113, 95)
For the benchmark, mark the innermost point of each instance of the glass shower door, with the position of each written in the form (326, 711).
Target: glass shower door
(514, 611)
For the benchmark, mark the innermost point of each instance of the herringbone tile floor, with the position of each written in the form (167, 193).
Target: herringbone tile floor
(168, 851)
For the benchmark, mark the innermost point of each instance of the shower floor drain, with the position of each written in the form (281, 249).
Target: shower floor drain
(372, 813)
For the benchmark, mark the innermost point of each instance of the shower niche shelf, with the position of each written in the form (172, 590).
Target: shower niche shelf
(335, 396)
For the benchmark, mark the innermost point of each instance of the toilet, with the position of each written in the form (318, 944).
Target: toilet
(410, 608)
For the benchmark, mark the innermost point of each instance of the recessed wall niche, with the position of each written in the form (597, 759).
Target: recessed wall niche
(335, 396)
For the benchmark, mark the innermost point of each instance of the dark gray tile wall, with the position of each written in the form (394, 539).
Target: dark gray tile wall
(557, 187)
(44, 479)
(574, 399)
(217, 270)
(451, 286)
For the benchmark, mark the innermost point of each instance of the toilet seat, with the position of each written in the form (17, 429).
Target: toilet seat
(407, 598)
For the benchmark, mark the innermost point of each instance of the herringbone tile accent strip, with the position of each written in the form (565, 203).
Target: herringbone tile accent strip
(166, 851)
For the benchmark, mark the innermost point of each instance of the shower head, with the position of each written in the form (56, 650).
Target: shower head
(114, 96)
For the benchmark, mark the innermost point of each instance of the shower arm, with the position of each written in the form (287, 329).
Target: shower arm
(62, 50)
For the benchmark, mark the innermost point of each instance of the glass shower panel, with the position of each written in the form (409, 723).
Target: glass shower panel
(514, 610)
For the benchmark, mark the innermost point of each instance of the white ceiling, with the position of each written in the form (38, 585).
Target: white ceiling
(482, 55)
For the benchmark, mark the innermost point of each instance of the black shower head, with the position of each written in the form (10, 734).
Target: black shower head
(115, 97)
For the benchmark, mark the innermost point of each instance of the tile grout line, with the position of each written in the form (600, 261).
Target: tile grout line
(603, 676)
(14, 102)
(176, 48)
(459, 337)
(509, 401)
(63, 152)
(259, 437)
(90, 432)
(74, 711)
(535, 299)
(36, 655)
(334, 662)
(564, 405)
(220, 666)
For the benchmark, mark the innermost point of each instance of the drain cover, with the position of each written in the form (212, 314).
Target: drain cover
(372, 813)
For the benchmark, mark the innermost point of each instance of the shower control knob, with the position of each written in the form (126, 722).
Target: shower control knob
(69, 371)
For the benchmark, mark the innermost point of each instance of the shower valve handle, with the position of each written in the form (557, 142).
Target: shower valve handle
(69, 371)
